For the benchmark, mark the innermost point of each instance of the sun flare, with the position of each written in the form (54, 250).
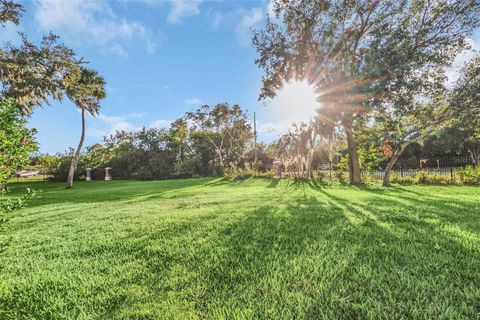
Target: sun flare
(296, 101)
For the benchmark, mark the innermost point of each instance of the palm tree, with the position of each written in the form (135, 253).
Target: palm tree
(86, 94)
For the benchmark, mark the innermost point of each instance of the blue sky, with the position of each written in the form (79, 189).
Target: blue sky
(160, 59)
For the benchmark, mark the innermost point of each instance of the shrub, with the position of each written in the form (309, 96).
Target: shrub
(403, 180)
(16, 141)
(58, 168)
(186, 168)
(469, 175)
(422, 177)
(340, 176)
(439, 179)
(321, 175)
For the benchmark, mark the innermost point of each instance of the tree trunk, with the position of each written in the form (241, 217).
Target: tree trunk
(76, 155)
(354, 162)
(310, 164)
(220, 160)
(390, 164)
(475, 156)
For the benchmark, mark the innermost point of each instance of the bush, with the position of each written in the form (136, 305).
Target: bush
(235, 171)
(439, 179)
(321, 175)
(469, 175)
(58, 168)
(186, 168)
(403, 180)
(422, 177)
(340, 176)
(16, 141)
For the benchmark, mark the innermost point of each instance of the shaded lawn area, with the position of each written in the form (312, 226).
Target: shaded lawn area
(256, 249)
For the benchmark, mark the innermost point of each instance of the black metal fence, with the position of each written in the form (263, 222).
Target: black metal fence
(436, 162)
(445, 166)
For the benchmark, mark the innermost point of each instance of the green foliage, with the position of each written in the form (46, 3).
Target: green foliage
(187, 168)
(16, 141)
(370, 157)
(253, 249)
(59, 166)
(396, 178)
(321, 175)
(469, 175)
(372, 59)
(10, 205)
(226, 129)
(33, 74)
(340, 169)
(440, 179)
(237, 171)
(10, 11)
(422, 177)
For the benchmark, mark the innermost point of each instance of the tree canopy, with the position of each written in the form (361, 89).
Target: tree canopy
(362, 55)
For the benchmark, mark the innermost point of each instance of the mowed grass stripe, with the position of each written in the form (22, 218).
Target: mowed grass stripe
(254, 249)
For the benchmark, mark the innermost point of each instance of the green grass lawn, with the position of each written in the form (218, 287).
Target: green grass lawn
(256, 249)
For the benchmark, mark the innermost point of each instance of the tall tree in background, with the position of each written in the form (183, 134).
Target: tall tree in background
(360, 54)
(412, 113)
(86, 93)
(226, 128)
(401, 129)
(179, 132)
(466, 107)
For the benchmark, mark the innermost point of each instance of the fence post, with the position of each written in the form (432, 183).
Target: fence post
(451, 173)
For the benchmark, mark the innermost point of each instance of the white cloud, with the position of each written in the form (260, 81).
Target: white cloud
(249, 20)
(118, 50)
(104, 125)
(460, 60)
(194, 102)
(136, 115)
(117, 123)
(91, 22)
(109, 125)
(160, 124)
(181, 9)
(217, 19)
(150, 46)
(272, 127)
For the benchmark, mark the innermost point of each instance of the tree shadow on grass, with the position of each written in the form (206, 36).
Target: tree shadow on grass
(445, 209)
(252, 253)
(273, 183)
(311, 253)
(112, 191)
(324, 256)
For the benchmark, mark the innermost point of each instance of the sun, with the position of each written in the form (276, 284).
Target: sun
(295, 102)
